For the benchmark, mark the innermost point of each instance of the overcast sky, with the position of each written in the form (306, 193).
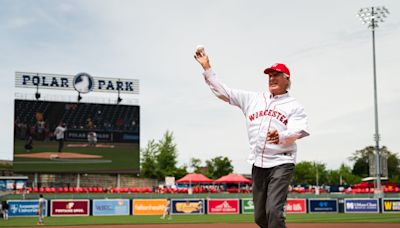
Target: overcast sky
(327, 49)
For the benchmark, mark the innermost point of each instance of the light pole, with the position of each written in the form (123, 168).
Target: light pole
(372, 16)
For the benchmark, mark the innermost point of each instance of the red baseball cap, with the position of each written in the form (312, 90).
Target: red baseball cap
(279, 67)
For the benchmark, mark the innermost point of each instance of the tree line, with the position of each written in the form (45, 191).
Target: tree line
(159, 159)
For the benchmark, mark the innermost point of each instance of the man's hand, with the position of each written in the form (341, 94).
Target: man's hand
(273, 136)
(201, 57)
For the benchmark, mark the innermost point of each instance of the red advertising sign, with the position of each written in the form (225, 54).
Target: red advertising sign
(296, 206)
(69, 208)
(223, 206)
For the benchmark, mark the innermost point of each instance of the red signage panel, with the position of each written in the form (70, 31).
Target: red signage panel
(69, 208)
(223, 206)
(296, 206)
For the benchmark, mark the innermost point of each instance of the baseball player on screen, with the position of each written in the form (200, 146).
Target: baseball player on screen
(274, 121)
(59, 133)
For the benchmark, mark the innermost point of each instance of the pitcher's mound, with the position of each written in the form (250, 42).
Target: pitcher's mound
(55, 155)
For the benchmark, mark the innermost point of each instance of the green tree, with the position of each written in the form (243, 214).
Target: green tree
(148, 161)
(180, 172)
(160, 159)
(195, 164)
(218, 167)
(361, 168)
(361, 162)
(167, 156)
(307, 172)
(342, 176)
(393, 167)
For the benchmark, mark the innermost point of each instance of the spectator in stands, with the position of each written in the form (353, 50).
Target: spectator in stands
(59, 133)
(41, 209)
(89, 124)
(92, 138)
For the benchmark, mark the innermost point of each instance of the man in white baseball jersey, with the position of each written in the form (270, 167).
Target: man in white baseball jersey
(274, 121)
(92, 138)
(59, 134)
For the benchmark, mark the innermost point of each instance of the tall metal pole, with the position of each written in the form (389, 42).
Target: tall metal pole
(372, 16)
(378, 188)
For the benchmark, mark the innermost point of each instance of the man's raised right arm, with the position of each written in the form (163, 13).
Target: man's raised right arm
(232, 96)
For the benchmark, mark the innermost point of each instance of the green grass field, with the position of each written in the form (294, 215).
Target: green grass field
(186, 219)
(124, 157)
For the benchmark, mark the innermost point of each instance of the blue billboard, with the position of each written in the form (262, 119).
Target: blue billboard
(111, 207)
(24, 208)
(187, 206)
(2, 185)
(361, 206)
(323, 206)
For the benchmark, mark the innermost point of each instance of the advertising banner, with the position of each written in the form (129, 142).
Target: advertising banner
(24, 208)
(10, 184)
(361, 206)
(2, 185)
(323, 206)
(390, 205)
(247, 206)
(110, 207)
(148, 206)
(294, 206)
(223, 206)
(187, 206)
(69, 207)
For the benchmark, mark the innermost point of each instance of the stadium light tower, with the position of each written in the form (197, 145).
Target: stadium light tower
(373, 16)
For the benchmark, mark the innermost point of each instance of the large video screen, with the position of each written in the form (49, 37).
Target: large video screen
(52, 137)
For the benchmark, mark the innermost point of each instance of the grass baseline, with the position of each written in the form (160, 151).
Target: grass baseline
(198, 219)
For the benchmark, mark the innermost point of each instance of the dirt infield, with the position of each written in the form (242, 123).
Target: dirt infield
(54, 155)
(244, 225)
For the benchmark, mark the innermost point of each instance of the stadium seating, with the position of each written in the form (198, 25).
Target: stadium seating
(102, 117)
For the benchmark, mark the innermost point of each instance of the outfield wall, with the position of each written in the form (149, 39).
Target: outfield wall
(196, 206)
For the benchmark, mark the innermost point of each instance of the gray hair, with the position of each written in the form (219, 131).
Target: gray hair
(289, 82)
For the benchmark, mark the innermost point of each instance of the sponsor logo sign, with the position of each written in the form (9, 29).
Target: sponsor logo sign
(24, 208)
(83, 83)
(247, 206)
(187, 206)
(69, 208)
(361, 206)
(390, 205)
(296, 206)
(323, 206)
(110, 207)
(148, 206)
(223, 206)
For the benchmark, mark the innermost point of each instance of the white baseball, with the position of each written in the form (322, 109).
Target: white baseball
(200, 49)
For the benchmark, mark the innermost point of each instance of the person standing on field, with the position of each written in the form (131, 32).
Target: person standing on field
(274, 121)
(41, 209)
(60, 134)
